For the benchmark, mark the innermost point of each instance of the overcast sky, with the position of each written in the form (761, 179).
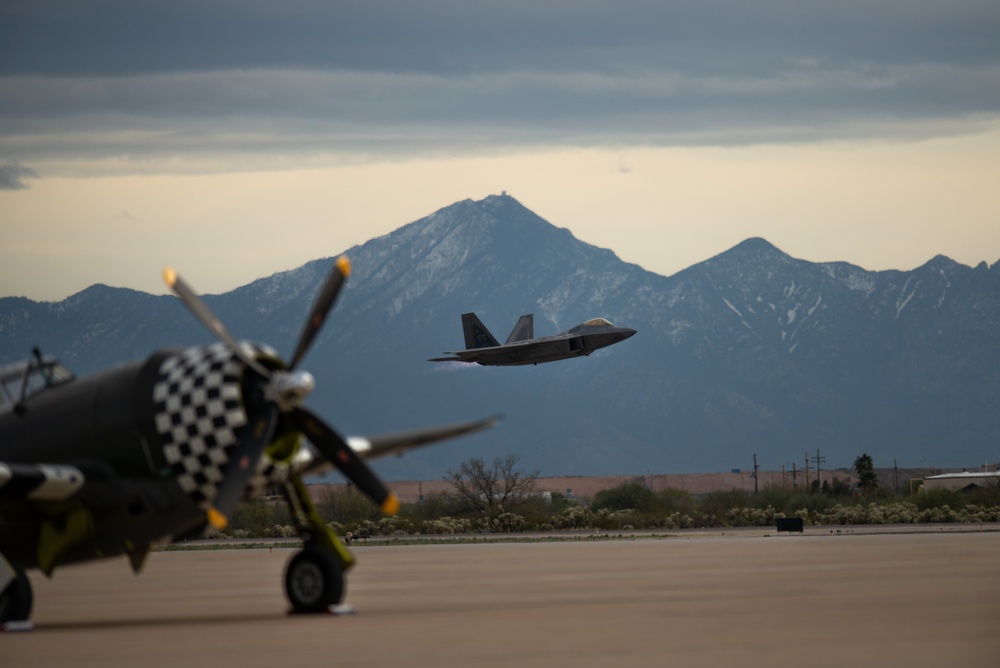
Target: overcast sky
(236, 139)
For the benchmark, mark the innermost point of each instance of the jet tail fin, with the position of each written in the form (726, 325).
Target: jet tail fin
(523, 330)
(476, 334)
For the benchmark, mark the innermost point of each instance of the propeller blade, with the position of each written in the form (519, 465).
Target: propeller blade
(399, 442)
(242, 463)
(324, 302)
(200, 309)
(332, 446)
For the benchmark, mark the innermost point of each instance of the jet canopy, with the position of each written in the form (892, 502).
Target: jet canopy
(593, 322)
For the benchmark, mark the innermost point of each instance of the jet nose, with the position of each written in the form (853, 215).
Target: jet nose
(626, 332)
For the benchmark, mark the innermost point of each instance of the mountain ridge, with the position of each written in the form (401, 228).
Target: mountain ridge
(751, 350)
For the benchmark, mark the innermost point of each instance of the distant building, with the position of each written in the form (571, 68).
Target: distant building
(960, 481)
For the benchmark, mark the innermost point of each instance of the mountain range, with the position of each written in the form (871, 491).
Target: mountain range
(749, 352)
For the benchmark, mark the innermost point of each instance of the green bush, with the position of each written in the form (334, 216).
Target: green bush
(257, 516)
(988, 497)
(674, 501)
(632, 495)
(345, 505)
(938, 498)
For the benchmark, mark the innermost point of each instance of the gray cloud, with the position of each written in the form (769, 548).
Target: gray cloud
(12, 177)
(141, 80)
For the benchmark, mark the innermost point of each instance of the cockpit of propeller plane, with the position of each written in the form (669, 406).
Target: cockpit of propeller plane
(155, 451)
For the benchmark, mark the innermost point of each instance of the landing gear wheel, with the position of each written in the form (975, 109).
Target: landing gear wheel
(15, 600)
(313, 581)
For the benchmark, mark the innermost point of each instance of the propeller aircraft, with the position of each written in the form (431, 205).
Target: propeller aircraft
(154, 451)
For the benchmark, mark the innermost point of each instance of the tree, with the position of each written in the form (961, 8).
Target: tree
(492, 489)
(864, 466)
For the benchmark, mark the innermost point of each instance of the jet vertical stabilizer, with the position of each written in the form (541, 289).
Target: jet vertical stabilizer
(523, 330)
(476, 334)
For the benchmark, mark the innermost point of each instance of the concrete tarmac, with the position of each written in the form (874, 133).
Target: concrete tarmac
(925, 599)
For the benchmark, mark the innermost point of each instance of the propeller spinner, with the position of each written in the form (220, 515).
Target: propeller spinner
(284, 390)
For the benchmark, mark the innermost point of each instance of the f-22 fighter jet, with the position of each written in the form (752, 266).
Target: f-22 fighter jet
(522, 348)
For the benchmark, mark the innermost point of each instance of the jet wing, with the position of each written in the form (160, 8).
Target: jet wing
(450, 359)
(397, 443)
(471, 356)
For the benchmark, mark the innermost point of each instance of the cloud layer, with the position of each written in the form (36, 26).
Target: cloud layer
(14, 177)
(260, 82)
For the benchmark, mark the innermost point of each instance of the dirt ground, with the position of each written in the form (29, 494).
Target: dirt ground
(743, 598)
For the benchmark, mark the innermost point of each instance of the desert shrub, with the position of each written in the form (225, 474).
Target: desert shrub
(943, 514)
(750, 517)
(385, 526)
(813, 503)
(446, 525)
(844, 515)
(608, 519)
(893, 513)
(503, 523)
(394, 525)
(281, 531)
(574, 517)
(975, 513)
(714, 507)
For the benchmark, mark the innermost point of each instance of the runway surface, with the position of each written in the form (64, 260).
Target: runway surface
(787, 600)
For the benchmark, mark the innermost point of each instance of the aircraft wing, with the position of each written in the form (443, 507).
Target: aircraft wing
(470, 356)
(39, 482)
(396, 443)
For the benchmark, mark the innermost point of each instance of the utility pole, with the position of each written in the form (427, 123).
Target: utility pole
(795, 477)
(806, 476)
(819, 469)
(895, 476)
(755, 473)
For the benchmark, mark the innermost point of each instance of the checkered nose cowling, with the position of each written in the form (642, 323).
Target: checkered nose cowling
(199, 411)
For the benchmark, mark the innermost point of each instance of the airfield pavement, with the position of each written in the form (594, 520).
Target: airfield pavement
(733, 598)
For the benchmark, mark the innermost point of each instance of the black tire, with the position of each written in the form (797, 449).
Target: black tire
(313, 581)
(16, 599)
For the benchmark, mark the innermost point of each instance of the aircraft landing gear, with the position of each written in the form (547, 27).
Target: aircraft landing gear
(314, 578)
(314, 581)
(16, 599)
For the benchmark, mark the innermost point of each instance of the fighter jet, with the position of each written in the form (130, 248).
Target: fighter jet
(522, 348)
